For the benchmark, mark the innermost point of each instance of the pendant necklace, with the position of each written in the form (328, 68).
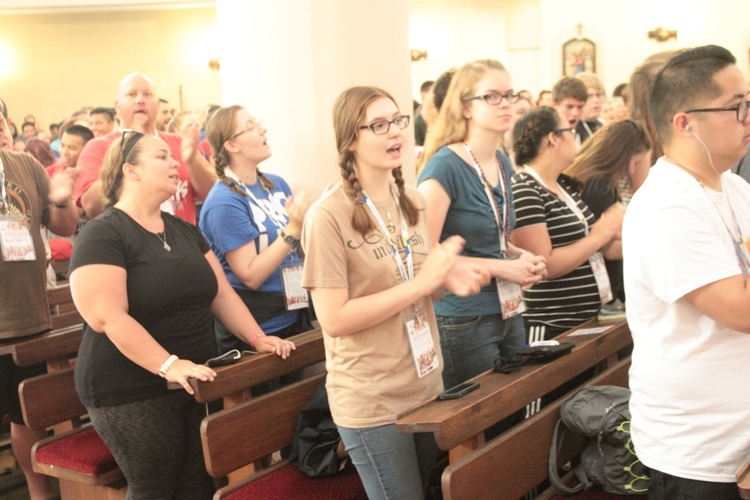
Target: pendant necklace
(164, 240)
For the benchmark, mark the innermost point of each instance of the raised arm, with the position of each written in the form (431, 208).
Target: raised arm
(202, 176)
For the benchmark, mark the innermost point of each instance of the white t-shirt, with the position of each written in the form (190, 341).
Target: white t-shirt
(689, 378)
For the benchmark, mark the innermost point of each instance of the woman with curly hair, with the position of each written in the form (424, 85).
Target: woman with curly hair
(553, 221)
(373, 274)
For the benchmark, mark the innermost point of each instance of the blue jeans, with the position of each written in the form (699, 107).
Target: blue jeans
(470, 345)
(663, 486)
(392, 465)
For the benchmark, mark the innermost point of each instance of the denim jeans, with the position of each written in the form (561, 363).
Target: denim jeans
(470, 345)
(392, 465)
(663, 486)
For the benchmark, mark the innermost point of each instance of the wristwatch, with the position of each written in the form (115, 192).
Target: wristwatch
(289, 239)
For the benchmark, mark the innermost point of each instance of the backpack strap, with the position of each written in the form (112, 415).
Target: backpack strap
(554, 477)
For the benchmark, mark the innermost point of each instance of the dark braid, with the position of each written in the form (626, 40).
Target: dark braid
(268, 184)
(529, 131)
(361, 222)
(408, 209)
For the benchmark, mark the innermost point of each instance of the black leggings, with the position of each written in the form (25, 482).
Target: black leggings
(157, 445)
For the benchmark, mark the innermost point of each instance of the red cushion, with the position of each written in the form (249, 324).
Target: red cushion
(82, 452)
(288, 482)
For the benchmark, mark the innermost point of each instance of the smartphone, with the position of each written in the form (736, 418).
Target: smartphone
(225, 359)
(459, 390)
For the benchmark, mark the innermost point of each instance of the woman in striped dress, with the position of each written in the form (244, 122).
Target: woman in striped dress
(553, 221)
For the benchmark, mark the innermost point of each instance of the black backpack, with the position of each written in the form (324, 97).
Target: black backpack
(609, 460)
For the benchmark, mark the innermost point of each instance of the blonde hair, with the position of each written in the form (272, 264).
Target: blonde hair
(348, 114)
(451, 125)
(220, 129)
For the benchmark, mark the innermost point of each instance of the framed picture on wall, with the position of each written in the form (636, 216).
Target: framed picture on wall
(579, 55)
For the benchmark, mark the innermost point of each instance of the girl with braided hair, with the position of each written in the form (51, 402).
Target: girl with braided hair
(553, 221)
(372, 272)
(253, 224)
(466, 182)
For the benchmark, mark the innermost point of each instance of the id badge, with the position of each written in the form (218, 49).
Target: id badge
(510, 296)
(602, 278)
(422, 346)
(295, 297)
(15, 239)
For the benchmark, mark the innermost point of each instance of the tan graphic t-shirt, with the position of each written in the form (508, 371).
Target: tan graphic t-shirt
(371, 373)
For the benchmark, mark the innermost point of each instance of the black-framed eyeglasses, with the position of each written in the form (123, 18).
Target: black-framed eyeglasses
(495, 98)
(383, 126)
(127, 146)
(253, 125)
(559, 131)
(741, 109)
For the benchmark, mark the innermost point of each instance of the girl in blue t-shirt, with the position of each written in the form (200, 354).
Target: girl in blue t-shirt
(466, 182)
(253, 225)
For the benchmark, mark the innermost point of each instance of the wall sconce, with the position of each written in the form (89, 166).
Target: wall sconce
(213, 64)
(662, 34)
(417, 55)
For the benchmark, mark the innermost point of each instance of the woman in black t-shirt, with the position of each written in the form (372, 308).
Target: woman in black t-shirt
(617, 155)
(148, 285)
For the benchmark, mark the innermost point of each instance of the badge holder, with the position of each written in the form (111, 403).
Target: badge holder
(15, 239)
(422, 345)
(601, 276)
(511, 298)
(295, 297)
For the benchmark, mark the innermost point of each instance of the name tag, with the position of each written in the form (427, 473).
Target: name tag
(510, 296)
(295, 297)
(422, 346)
(15, 239)
(602, 278)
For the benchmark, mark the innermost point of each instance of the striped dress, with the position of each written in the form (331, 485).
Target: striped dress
(565, 302)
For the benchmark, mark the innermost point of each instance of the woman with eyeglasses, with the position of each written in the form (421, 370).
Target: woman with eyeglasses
(148, 286)
(466, 183)
(253, 224)
(619, 151)
(553, 221)
(372, 273)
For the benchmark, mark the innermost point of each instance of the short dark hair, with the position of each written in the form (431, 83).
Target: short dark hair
(25, 124)
(163, 100)
(688, 77)
(529, 131)
(440, 88)
(108, 112)
(80, 131)
(569, 87)
(426, 86)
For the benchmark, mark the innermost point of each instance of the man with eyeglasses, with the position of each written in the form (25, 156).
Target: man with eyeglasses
(569, 96)
(686, 263)
(137, 105)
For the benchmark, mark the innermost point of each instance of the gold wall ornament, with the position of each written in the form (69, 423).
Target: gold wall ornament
(213, 64)
(662, 34)
(417, 55)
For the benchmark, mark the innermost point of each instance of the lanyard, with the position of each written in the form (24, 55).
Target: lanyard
(566, 198)
(738, 243)
(5, 206)
(407, 272)
(236, 180)
(503, 227)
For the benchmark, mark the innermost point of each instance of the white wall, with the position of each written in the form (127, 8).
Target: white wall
(527, 35)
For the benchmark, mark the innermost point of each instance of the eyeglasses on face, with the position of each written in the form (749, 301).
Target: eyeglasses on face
(381, 127)
(559, 131)
(252, 126)
(495, 98)
(740, 109)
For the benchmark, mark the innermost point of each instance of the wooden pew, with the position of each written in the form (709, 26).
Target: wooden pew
(459, 425)
(515, 462)
(77, 457)
(64, 312)
(238, 436)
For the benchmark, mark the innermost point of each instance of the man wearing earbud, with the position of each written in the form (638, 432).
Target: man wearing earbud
(685, 246)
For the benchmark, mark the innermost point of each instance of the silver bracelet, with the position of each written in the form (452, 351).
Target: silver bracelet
(170, 360)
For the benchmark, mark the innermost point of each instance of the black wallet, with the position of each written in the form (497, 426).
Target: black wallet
(533, 355)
